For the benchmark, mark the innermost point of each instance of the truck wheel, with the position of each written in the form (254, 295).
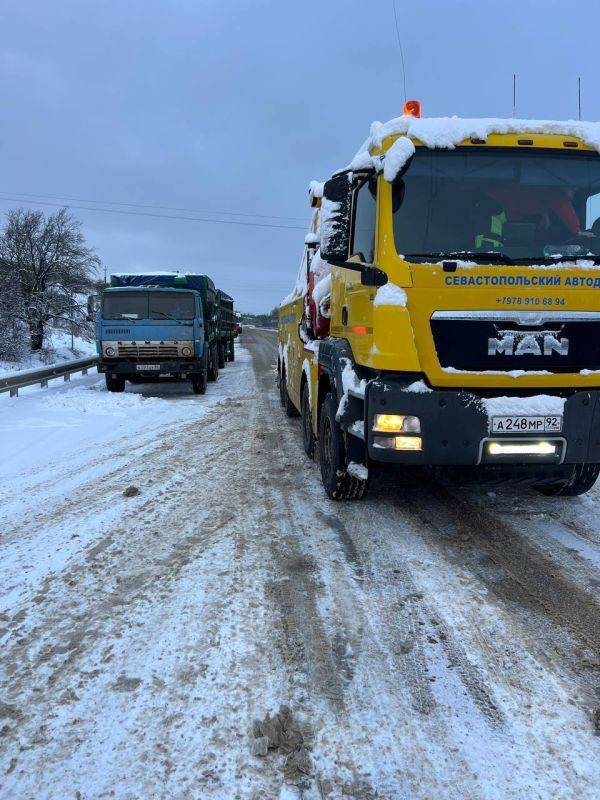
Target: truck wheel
(308, 437)
(581, 480)
(115, 384)
(213, 368)
(339, 484)
(284, 398)
(221, 356)
(199, 383)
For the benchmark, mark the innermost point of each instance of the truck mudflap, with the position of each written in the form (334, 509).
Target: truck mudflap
(456, 430)
(150, 369)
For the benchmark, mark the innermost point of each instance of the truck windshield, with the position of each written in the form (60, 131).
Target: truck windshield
(526, 205)
(149, 305)
(176, 305)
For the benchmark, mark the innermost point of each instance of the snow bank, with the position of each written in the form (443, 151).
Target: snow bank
(579, 263)
(390, 295)
(358, 471)
(511, 373)
(538, 405)
(418, 387)
(357, 427)
(322, 294)
(169, 272)
(397, 156)
(56, 352)
(96, 400)
(313, 346)
(351, 384)
(283, 354)
(330, 210)
(363, 159)
(461, 264)
(315, 190)
(306, 372)
(448, 132)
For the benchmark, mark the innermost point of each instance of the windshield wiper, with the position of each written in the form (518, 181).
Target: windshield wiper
(548, 260)
(168, 316)
(491, 257)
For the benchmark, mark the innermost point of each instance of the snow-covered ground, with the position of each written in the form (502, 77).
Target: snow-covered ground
(438, 642)
(57, 349)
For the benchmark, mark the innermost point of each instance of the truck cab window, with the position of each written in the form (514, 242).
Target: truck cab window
(521, 204)
(126, 305)
(592, 213)
(365, 214)
(177, 305)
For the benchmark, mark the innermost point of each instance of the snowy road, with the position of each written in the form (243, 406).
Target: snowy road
(439, 642)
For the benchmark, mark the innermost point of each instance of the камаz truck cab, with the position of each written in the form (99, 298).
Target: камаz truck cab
(447, 307)
(159, 326)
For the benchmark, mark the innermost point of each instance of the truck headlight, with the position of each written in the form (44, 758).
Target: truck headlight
(186, 351)
(396, 423)
(110, 351)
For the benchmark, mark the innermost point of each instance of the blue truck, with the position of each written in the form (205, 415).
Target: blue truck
(162, 326)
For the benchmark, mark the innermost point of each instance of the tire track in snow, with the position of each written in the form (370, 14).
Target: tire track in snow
(306, 641)
(381, 690)
(521, 576)
(397, 626)
(88, 626)
(86, 493)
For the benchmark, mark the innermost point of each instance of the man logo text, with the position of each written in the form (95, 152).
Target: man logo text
(529, 344)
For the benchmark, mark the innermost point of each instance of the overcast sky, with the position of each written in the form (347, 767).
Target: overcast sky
(215, 106)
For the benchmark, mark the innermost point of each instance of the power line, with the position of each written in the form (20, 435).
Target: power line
(140, 205)
(400, 46)
(160, 216)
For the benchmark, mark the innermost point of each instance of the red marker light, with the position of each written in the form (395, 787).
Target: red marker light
(412, 108)
(360, 329)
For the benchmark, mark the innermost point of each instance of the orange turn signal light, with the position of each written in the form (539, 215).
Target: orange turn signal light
(412, 108)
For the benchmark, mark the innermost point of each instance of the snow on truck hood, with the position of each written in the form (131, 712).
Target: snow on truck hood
(446, 133)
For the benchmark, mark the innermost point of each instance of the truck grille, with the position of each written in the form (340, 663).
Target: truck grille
(152, 350)
(552, 341)
(134, 350)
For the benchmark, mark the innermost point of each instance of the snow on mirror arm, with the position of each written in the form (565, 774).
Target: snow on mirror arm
(496, 205)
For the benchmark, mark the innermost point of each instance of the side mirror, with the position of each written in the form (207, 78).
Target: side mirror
(92, 306)
(335, 217)
(371, 276)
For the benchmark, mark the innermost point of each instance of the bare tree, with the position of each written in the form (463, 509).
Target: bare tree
(13, 333)
(47, 265)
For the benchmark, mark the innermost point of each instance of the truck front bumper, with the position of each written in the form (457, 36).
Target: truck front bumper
(149, 369)
(455, 428)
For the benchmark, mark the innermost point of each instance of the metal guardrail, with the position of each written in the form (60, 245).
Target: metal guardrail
(12, 383)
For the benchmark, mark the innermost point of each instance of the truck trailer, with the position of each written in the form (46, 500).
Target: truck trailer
(447, 308)
(227, 328)
(159, 326)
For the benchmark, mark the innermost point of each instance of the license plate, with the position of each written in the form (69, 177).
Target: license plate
(527, 424)
(146, 367)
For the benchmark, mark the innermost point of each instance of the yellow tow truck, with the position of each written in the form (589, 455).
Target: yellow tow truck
(447, 308)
